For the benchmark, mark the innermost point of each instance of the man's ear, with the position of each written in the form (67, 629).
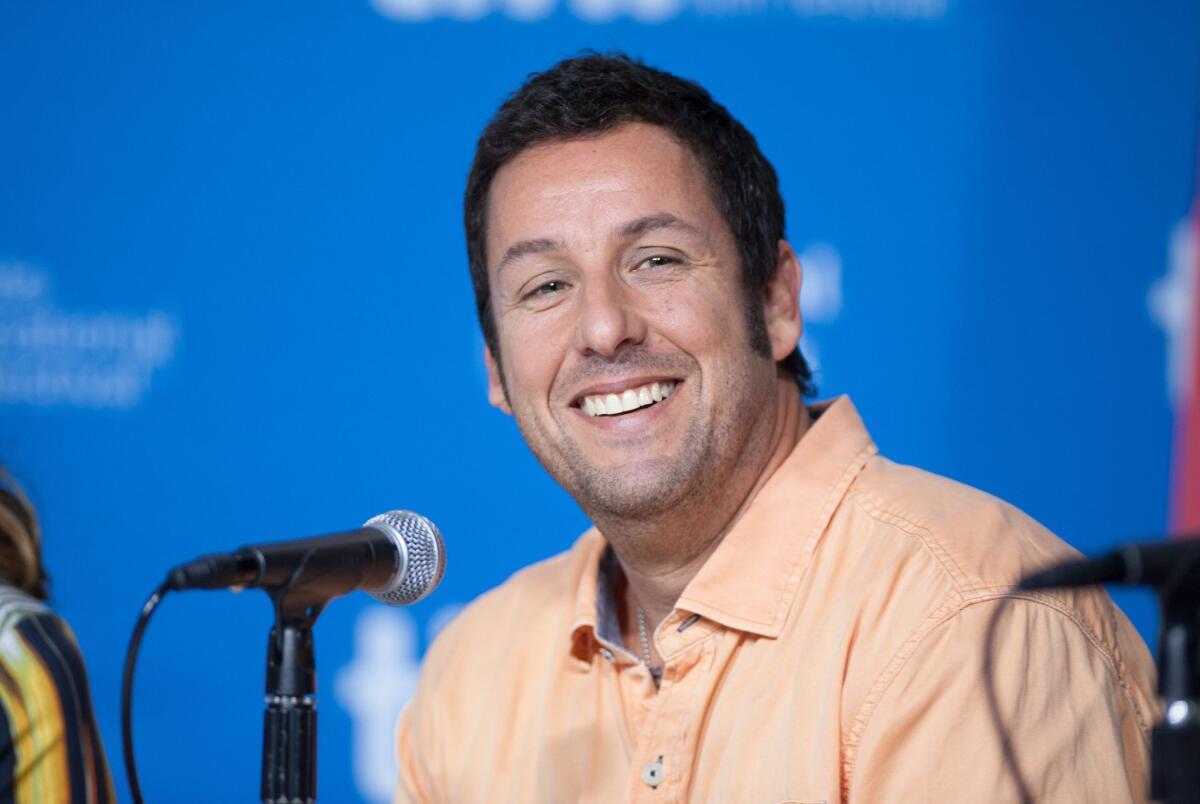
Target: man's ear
(782, 303)
(496, 393)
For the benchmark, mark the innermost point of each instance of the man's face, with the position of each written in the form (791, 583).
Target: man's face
(620, 316)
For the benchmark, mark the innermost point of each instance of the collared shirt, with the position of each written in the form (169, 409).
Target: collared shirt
(829, 650)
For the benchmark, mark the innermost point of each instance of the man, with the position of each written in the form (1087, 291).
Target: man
(766, 609)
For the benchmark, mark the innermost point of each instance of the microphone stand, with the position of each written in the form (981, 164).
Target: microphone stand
(1175, 742)
(289, 759)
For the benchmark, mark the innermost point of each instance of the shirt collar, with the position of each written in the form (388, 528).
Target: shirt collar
(749, 582)
(587, 555)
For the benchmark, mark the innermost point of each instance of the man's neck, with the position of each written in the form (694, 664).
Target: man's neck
(654, 581)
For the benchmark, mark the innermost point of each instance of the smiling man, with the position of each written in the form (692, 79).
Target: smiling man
(766, 609)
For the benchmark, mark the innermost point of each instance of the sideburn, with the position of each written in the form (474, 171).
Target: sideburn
(756, 327)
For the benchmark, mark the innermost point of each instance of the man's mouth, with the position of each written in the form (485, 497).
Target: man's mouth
(630, 399)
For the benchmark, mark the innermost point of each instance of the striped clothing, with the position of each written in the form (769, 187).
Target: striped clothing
(50, 750)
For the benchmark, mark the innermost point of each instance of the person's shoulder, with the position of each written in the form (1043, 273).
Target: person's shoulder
(984, 546)
(982, 542)
(535, 605)
(28, 628)
(16, 606)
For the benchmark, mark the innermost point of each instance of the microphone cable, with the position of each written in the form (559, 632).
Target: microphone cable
(135, 642)
(989, 686)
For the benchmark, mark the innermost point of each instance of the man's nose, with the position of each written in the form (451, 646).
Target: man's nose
(608, 318)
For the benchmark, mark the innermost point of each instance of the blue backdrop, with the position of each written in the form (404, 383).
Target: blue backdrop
(234, 303)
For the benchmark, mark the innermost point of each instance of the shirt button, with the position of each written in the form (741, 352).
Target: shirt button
(652, 773)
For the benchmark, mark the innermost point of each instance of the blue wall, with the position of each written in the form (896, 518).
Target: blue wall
(234, 303)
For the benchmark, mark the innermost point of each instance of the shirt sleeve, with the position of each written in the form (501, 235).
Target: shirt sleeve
(50, 748)
(412, 787)
(420, 731)
(1077, 734)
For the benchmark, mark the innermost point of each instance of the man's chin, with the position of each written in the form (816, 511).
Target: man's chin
(629, 496)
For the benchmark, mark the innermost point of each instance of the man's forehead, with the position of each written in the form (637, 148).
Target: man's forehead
(635, 176)
(597, 159)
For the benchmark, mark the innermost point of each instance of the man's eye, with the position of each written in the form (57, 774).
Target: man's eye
(545, 289)
(659, 260)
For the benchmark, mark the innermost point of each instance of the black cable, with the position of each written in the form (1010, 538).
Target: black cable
(135, 642)
(989, 686)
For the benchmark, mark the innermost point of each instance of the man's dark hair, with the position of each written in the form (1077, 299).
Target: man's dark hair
(593, 94)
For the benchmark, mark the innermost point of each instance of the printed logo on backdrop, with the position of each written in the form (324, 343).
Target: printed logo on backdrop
(51, 357)
(820, 295)
(374, 687)
(1171, 301)
(598, 11)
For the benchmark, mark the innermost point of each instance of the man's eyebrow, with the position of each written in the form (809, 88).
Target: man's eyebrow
(648, 223)
(525, 248)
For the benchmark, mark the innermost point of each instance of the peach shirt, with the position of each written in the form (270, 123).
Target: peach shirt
(836, 656)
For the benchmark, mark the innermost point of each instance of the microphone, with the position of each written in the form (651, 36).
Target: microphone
(1162, 564)
(398, 557)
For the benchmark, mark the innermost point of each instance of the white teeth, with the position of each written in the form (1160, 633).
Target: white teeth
(630, 399)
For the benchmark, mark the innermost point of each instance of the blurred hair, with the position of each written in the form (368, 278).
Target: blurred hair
(593, 94)
(20, 540)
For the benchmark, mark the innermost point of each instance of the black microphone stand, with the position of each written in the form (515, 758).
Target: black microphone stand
(1175, 742)
(289, 760)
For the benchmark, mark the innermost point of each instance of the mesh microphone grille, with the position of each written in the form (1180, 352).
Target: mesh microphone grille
(426, 553)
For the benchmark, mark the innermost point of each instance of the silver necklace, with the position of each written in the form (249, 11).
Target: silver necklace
(644, 631)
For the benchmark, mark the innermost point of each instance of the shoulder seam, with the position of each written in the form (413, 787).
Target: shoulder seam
(945, 613)
(876, 511)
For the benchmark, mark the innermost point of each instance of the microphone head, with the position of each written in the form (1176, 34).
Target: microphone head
(422, 557)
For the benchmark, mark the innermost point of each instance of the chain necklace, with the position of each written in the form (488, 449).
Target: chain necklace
(644, 631)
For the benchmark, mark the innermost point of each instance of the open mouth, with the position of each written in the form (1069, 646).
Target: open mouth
(629, 400)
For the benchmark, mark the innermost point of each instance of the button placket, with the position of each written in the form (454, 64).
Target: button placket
(678, 711)
(647, 773)
(666, 711)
